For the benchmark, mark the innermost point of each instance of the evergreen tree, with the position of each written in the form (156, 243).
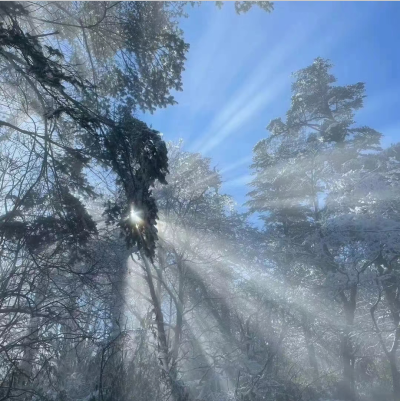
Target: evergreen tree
(296, 169)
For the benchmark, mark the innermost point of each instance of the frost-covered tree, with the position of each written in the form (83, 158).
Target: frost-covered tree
(367, 214)
(297, 169)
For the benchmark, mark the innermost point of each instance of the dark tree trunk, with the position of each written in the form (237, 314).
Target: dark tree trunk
(347, 351)
(179, 313)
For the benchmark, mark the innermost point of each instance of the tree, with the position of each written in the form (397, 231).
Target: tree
(368, 209)
(296, 169)
(190, 205)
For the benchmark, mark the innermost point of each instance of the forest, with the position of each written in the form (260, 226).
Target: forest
(127, 274)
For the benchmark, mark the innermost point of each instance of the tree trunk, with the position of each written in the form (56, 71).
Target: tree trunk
(348, 367)
(118, 320)
(347, 352)
(178, 392)
(31, 350)
(179, 313)
(395, 377)
(312, 358)
(391, 290)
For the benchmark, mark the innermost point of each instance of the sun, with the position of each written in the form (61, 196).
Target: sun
(135, 216)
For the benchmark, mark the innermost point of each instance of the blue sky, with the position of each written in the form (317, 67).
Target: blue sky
(238, 74)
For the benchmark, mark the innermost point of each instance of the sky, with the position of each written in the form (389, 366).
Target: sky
(237, 76)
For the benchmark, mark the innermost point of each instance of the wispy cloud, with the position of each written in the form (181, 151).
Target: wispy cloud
(245, 161)
(263, 85)
(239, 181)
